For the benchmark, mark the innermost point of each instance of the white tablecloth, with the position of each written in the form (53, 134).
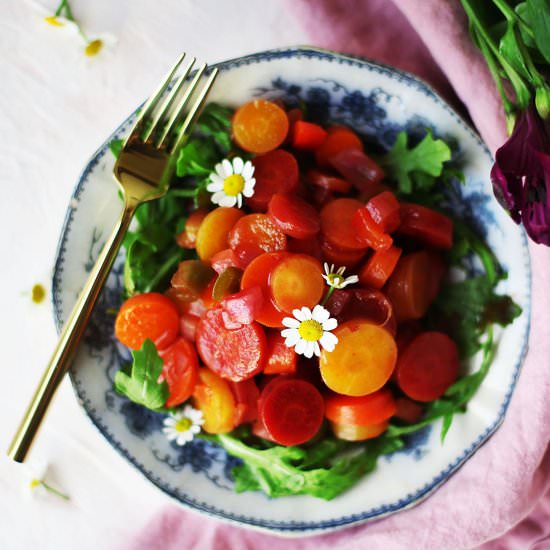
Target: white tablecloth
(56, 107)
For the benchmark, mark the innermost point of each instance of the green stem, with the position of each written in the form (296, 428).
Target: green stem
(64, 8)
(165, 268)
(54, 491)
(328, 295)
(493, 68)
(512, 15)
(506, 10)
(522, 91)
(538, 79)
(184, 193)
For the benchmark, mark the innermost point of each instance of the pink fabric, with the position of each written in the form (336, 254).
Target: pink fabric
(500, 499)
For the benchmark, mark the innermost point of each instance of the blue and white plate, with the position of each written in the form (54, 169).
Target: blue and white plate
(377, 101)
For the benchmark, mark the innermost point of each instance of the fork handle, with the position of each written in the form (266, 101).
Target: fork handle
(67, 345)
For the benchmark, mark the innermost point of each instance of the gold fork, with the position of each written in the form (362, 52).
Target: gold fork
(143, 171)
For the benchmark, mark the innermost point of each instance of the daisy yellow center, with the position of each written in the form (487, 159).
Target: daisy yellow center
(35, 483)
(310, 330)
(53, 20)
(335, 279)
(233, 185)
(93, 48)
(183, 424)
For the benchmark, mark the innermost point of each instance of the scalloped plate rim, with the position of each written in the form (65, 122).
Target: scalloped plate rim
(285, 528)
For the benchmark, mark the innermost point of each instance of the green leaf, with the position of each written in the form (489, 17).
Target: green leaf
(197, 158)
(215, 121)
(416, 168)
(510, 49)
(539, 16)
(116, 146)
(141, 384)
(447, 421)
(284, 471)
(152, 254)
(463, 305)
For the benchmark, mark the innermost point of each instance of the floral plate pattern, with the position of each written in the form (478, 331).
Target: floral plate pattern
(378, 101)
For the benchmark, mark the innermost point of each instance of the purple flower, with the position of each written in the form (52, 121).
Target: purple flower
(521, 176)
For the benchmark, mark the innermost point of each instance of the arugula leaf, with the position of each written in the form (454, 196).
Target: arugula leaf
(279, 471)
(116, 146)
(215, 121)
(463, 305)
(141, 384)
(212, 142)
(152, 254)
(470, 305)
(197, 157)
(416, 169)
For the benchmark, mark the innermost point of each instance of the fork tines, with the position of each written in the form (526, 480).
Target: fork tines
(159, 119)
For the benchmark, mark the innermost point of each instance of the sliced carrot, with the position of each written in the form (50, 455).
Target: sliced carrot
(351, 432)
(379, 267)
(297, 281)
(258, 273)
(307, 135)
(213, 231)
(213, 397)
(340, 139)
(260, 126)
(362, 361)
(362, 411)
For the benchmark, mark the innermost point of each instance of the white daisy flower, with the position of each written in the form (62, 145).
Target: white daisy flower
(231, 181)
(336, 279)
(307, 329)
(65, 22)
(35, 481)
(182, 426)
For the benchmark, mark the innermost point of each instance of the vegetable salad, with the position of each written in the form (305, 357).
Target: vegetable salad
(289, 298)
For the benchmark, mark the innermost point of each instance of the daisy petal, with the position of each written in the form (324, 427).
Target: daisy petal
(320, 314)
(184, 438)
(299, 314)
(248, 170)
(238, 165)
(227, 168)
(217, 197)
(301, 346)
(214, 178)
(220, 170)
(330, 324)
(239, 200)
(306, 312)
(228, 201)
(308, 352)
(326, 268)
(213, 187)
(249, 186)
(292, 340)
(316, 349)
(328, 341)
(290, 322)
